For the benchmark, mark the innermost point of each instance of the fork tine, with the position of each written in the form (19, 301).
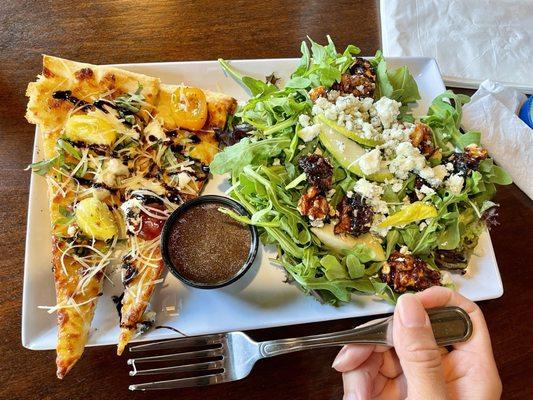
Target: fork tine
(205, 366)
(181, 383)
(179, 343)
(190, 355)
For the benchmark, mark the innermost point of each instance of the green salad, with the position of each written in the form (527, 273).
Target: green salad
(357, 195)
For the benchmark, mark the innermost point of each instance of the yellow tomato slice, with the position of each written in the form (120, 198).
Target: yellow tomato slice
(189, 107)
(90, 129)
(95, 219)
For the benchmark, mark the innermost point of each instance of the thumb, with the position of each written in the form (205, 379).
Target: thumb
(417, 350)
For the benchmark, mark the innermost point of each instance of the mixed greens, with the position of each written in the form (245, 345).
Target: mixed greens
(363, 201)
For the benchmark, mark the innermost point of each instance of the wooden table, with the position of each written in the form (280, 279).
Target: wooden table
(127, 31)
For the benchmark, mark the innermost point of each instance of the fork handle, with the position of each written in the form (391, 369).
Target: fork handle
(450, 325)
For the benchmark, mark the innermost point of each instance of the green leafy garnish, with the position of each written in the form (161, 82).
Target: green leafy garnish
(397, 84)
(43, 167)
(129, 104)
(246, 152)
(444, 119)
(65, 146)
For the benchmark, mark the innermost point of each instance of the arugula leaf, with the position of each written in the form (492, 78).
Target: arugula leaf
(500, 176)
(405, 87)
(450, 237)
(333, 269)
(246, 152)
(322, 66)
(257, 86)
(383, 291)
(493, 173)
(303, 65)
(130, 103)
(393, 237)
(374, 268)
(64, 145)
(298, 82)
(468, 138)
(397, 84)
(44, 166)
(444, 119)
(355, 268)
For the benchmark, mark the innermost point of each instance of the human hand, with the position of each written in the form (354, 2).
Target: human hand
(416, 368)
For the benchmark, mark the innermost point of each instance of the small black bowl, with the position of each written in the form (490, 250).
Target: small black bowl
(225, 201)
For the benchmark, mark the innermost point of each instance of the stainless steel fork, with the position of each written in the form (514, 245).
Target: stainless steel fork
(226, 357)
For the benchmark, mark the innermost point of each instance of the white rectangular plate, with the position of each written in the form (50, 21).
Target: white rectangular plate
(260, 299)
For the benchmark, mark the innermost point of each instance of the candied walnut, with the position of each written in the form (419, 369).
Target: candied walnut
(318, 170)
(317, 92)
(355, 216)
(360, 80)
(476, 152)
(407, 272)
(421, 138)
(469, 160)
(313, 205)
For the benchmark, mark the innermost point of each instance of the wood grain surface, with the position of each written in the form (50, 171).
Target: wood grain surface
(123, 31)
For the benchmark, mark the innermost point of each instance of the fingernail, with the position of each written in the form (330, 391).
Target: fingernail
(350, 396)
(339, 357)
(412, 313)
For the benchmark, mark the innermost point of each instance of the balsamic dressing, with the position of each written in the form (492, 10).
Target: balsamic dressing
(129, 272)
(66, 95)
(118, 304)
(206, 246)
(172, 329)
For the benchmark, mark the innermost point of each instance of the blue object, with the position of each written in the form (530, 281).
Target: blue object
(526, 112)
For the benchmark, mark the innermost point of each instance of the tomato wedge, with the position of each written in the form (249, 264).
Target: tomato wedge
(189, 107)
(151, 227)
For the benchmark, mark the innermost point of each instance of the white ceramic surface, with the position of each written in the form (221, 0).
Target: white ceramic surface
(258, 300)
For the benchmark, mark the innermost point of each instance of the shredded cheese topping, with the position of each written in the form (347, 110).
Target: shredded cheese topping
(140, 167)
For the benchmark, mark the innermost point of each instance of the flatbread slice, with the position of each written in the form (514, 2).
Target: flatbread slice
(148, 265)
(67, 88)
(75, 309)
(199, 148)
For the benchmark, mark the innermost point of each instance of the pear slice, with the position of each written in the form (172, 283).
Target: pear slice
(347, 153)
(340, 242)
(348, 133)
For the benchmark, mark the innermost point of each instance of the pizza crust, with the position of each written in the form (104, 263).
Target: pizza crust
(87, 82)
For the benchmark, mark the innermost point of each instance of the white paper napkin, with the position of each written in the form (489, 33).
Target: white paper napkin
(472, 40)
(509, 140)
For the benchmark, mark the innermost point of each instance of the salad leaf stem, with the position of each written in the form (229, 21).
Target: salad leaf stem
(295, 182)
(280, 126)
